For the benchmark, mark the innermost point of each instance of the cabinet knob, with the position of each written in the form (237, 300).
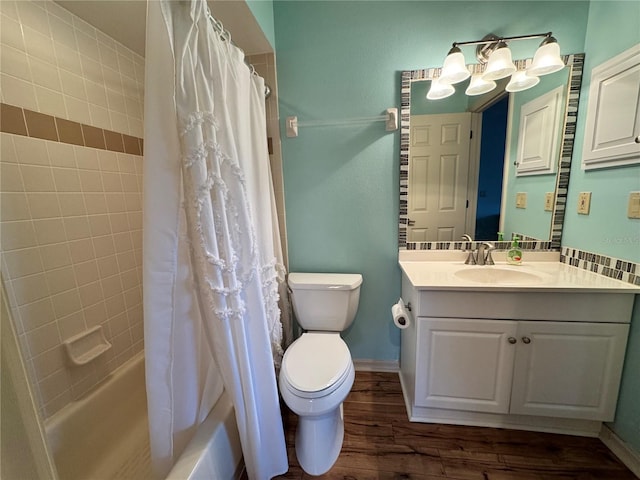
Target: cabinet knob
(526, 340)
(512, 340)
(637, 139)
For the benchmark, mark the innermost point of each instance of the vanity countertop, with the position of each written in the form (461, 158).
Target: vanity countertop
(448, 272)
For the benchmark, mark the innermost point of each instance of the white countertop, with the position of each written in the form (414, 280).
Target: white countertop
(442, 272)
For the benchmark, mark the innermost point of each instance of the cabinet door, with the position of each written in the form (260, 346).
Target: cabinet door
(612, 130)
(464, 364)
(566, 369)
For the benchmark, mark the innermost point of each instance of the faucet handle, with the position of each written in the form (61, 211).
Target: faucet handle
(488, 260)
(471, 259)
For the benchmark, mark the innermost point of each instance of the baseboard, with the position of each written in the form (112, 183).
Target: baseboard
(621, 449)
(376, 365)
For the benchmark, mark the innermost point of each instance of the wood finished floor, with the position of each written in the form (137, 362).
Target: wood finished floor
(381, 444)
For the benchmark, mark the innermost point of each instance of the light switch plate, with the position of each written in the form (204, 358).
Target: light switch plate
(521, 200)
(584, 203)
(633, 208)
(548, 202)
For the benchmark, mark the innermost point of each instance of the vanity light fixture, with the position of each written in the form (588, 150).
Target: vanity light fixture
(495, 53)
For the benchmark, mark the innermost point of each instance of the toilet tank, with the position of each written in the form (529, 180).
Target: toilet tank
(325, 301)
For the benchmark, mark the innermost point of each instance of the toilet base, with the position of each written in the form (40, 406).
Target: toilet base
(319, 441)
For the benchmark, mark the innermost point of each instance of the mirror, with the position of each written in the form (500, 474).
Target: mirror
(477, 183)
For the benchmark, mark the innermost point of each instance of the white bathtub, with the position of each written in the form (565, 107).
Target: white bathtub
(89, 439)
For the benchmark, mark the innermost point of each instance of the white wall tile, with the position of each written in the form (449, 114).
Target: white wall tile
(50, 102)
(13, 206)
(45, 74)
(14, 63)
(18, 92)
(23, 262)
(31, 151)
(66, 244)
(11, 33)
(14, 235)
(38, 45)
(43, 205)
(33, 15)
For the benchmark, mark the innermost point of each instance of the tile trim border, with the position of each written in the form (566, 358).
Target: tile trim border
(537, 245)
(564, 167)
(22, 121)
(623, 270)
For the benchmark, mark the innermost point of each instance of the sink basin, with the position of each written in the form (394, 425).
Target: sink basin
(499, 275)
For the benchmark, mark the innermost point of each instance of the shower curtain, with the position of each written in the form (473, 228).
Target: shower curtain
(212, 256)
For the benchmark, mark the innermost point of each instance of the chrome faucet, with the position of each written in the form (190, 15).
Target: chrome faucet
(483, 258)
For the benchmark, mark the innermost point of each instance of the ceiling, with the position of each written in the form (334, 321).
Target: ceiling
(125, 21)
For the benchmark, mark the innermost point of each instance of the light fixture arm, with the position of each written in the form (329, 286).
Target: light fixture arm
(491, 42)
(495, 39)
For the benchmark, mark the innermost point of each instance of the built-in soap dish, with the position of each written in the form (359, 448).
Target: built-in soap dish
(86, 346)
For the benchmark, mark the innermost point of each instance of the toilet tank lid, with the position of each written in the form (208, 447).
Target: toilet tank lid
(325, 281)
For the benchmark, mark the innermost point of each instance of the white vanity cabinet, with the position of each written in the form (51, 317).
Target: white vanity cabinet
(526, 358)
(553, 369)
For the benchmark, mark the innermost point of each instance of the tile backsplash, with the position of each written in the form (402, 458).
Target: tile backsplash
(70, 193)
(623, 270)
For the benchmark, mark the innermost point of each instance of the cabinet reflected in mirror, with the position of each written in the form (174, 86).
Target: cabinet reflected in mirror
(466, 161)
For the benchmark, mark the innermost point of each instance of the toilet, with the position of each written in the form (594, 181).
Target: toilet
(317, 371)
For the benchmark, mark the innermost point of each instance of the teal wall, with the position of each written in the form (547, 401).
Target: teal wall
(339, 60)
(532, 221)
(612, 28)
(263, 12)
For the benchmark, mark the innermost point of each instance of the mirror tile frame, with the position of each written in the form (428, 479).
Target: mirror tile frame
(576, 61)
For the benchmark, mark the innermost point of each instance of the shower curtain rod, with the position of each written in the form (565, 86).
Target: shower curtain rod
(226, 36)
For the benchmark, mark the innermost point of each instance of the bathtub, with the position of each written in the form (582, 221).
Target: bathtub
(91, 439)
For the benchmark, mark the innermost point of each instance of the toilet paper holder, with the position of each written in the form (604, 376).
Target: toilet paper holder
(408, 306)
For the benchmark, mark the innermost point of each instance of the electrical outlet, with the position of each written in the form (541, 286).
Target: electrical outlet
(521, 200)
(584, 203)
(548, 202)
(633, 208)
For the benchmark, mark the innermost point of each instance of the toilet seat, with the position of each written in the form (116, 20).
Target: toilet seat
(316, 364)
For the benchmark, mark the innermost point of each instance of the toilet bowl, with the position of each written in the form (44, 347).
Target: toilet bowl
(317, 397)
(317, 371)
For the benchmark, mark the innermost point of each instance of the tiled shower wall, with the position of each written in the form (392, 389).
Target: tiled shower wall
(71, 184)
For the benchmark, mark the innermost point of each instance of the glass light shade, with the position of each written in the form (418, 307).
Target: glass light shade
(521, 81)
(479, 85)
(454, 69)
(439, 90)
(546, 59)
(500, 64)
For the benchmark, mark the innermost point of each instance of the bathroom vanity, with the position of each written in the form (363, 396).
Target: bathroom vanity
(539, 346)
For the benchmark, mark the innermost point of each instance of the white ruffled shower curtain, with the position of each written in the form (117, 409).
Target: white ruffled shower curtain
(212, 254)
